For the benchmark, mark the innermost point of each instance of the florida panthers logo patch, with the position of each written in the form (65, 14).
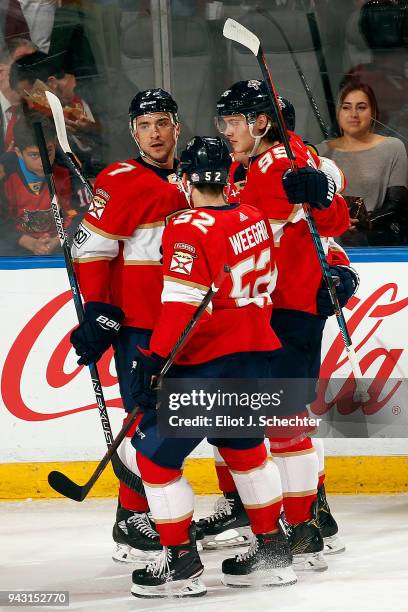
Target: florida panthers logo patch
(97, 207)
(182, 262)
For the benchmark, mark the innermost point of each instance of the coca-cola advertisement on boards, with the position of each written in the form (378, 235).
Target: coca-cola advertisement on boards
(48, 400)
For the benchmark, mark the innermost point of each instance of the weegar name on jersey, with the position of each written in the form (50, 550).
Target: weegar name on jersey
(249, 237)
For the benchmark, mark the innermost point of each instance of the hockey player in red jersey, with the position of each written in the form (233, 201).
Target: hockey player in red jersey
(118, 263)
(246, 118)
(197, 243)
(229, 508)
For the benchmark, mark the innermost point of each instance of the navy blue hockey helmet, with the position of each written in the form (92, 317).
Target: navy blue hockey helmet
(245, 97)
(205, 160)
(153, 101)
(250, 98)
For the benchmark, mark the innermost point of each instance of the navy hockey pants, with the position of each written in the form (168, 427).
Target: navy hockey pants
(171, 452)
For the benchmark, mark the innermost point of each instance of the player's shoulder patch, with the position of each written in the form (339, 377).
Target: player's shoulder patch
(183, 258)
(97, 206)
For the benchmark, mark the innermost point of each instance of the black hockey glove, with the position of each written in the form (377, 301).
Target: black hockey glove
(346, 281)
(145, 365)
(309, 185)
(97, 331)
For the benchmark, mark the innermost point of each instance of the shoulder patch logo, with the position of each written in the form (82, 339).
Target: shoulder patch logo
(184, 246)
(97, 207)
(101, 192)
(182, 262)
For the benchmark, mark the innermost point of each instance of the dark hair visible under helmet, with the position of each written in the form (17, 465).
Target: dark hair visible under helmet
(205, 160)
(153, 101)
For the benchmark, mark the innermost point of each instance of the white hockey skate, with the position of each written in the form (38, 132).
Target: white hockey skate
(227, 527)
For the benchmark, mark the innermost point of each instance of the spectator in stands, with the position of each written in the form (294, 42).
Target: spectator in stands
(375, 167)
(57, 27)
(10, 107)
(18, 47)
(33, 19)
(25, 195)
(31, 75)
(380, 29)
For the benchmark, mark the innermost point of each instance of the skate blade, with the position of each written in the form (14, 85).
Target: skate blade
(273, 577)
(127, 554)
(241, 536)
(192, 587)
(310, 562)
(333, 545)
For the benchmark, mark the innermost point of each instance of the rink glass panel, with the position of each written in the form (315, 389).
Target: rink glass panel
(132, 45)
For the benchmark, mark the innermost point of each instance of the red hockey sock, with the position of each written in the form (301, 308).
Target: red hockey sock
(225, 480)
(131, 500)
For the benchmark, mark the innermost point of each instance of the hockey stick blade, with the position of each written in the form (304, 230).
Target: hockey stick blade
(58, 116)
(59, 121)
(67, 487)
(237, 32)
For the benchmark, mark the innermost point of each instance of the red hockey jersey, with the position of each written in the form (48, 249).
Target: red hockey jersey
(117, 247)
(197, 244)
(299, 272)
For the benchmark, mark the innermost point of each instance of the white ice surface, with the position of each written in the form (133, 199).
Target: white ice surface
(63, 545)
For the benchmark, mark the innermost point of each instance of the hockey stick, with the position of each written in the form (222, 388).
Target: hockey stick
(323, 126)
(317, 43)
(121, 471)
(58, 116)
(67, 487)
(238, 33)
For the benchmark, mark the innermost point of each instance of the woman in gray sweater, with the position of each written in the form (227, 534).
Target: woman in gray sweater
(375, 168)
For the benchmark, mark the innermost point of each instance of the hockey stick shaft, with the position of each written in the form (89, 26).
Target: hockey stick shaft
(121, 471)
(67, 487)
(238, 33)
(323, 126)
(324, 75)
(60, 128)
